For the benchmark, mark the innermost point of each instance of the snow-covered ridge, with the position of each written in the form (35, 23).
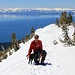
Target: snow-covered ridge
(36, 11)
(15, 9)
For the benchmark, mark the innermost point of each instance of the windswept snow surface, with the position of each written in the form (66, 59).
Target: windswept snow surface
(62, 58)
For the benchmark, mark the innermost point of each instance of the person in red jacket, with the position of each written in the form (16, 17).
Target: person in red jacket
(36, 47)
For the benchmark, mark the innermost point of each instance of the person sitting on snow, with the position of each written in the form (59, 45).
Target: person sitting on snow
(36, 46)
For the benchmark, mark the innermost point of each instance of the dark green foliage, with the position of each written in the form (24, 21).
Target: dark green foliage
(64, 19)
(13, 36)
(23, 40)
(57, 22)
(15, 42)
(69, 18)
(16, 47)
(64, 28)
(66, 37)
(27, 37)
(32, 30)
(5, 56)
(19, 41)
(10, 53)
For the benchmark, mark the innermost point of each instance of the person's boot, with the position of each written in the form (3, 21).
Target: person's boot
(42, 63)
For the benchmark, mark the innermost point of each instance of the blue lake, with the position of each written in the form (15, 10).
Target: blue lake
(21, 25)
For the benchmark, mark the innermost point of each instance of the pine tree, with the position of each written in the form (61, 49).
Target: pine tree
(27, 37)
(63, 18)
(32, 30)
(66, 37)
(57, 22)
(23, 40)
(13, 36)
(15, 41)
(69, 18)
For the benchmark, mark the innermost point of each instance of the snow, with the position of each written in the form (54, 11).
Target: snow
(40, 9)
(62, 58)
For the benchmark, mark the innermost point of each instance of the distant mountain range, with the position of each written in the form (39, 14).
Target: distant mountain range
(36, 11)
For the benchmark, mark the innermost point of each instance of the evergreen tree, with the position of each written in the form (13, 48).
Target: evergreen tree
(23, 40)
(15, 41)
(66, 37)
(32, 30)
(57, 22)
(27, 37)
(63, 18)
(69, 18)
(13, 36)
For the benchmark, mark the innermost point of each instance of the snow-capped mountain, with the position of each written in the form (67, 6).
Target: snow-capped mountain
(36, 11)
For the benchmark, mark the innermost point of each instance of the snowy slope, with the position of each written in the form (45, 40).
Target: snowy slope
(62, 58)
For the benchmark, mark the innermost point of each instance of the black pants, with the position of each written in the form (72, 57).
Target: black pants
(37, 56)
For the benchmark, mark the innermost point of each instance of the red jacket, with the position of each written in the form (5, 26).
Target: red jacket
(35, 45)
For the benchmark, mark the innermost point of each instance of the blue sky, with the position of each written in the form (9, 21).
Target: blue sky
(37, 4)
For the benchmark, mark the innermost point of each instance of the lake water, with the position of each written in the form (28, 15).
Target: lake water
(21, 25)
